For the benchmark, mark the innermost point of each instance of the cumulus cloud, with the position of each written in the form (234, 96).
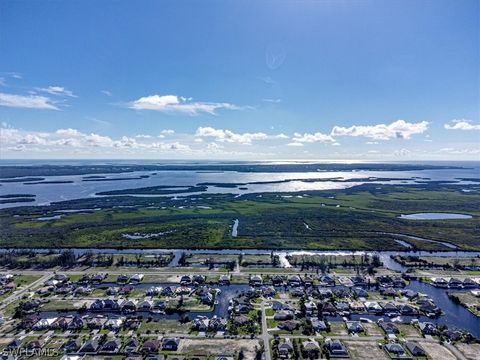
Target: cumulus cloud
(310, 138)
(402, 152)
(27, 101)
(178, 104)
(68, 132)
(57, 90)
(229, 136)
(456, 151)
(399, 129)
(462, 124)
(76, 139)
(295, 144)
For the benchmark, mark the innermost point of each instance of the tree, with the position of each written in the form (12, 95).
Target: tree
(241, 355)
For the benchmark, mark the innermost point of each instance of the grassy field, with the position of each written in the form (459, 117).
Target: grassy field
(356, 218)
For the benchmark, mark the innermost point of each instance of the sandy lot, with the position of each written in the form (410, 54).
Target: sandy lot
(338, 328)
(372, 329)
(408, 330)
(219, 346)
(437, 351)
(471, 351)
(368, 350)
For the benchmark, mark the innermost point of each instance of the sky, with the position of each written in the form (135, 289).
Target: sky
(240, 80)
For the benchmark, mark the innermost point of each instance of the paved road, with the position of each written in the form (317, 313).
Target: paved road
(455, 352)
(265, 335)
(18, 294)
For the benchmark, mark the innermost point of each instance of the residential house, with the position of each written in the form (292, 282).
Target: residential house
(256, 280)
(294, 281)
(283, 315)
(453, 335)
(310, 308)
(428, 328)
(151, 346)
(77, 323)
(186, 280)
(311, 347)
(90, 347)
(242, 320)
(154, 291)
(354, 327)
(114, 324)
(336, 349)
(123, 279)
(289, 325)
(199, 279)
(129, 306)
(277, 280)
(224, 279)
(307, 281)
(72, 345)
(388, 327)
(136, 278)
(217, 324)
(395, 350)
(327, 280)
(170, 344)
(131, 345)
(407, 309)
(285, 349)
(319, 325)
(112, 345)
(145, 306)
(373, 307)
(440, 282)
(454, 283)
(415, 349)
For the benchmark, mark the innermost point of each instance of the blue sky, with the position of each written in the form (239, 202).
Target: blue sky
(358, 80)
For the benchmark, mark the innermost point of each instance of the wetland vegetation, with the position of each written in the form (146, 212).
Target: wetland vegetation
(365, 217)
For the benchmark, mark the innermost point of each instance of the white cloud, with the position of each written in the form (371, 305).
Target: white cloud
(175, 146)
(174, 103)
(32, 139)
(69, 132)
(57, 90)
(402, 152)
(455, 151)
(399, 129)
(168, 132)
(99, 140)
(229, 136)
(310, 138)
(106, 92)
(274, 101)
(295, 144)
(462, 125)
(26, 101)
(143, 136)
(214, 146)
(78, 140)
